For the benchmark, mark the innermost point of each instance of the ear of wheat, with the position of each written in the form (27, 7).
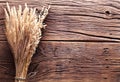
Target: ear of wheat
(23, 32)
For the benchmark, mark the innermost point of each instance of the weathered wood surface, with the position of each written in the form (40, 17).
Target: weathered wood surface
(80, 44)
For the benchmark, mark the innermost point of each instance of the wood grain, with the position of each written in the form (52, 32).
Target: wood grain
(80, 44)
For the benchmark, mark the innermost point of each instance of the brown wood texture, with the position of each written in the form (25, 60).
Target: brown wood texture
(80, 44)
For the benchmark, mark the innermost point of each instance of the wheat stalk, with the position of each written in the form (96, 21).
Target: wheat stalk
(23, 32)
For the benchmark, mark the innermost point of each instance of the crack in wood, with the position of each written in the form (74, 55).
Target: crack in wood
(100, 36)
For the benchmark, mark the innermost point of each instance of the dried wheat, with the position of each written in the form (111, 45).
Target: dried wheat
(23, 32)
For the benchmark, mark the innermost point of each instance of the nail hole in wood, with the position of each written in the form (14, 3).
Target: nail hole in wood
(106, 59)
(107, 12)
(107, 66)
(36, 9)
(105, 77)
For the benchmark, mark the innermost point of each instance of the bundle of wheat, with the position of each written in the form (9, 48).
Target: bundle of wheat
(23, 32)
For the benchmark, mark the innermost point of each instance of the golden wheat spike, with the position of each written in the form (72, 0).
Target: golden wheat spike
(23, 32)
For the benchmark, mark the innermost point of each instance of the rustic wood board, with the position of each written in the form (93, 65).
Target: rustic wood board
(80, 44)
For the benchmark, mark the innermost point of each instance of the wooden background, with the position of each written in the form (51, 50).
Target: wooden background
(80, 44)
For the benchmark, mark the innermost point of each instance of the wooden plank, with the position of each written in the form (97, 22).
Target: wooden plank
(68, 62)
(77, 62)
(80, 43)
(91, 20)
